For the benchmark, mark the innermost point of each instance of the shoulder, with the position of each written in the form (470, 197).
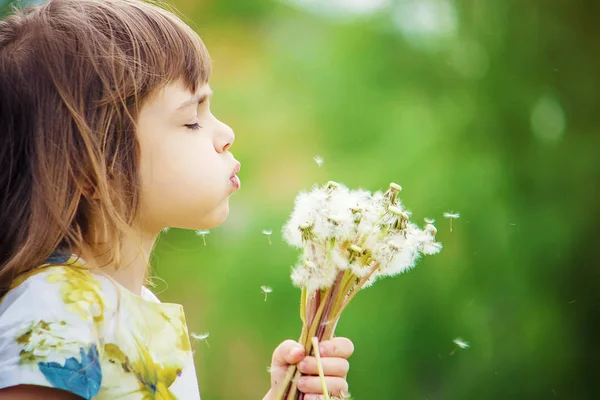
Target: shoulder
(51, 328)
(66, 291)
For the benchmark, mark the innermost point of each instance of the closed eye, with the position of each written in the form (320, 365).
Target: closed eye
(193, 127)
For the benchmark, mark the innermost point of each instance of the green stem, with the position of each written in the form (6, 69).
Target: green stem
(303, 306)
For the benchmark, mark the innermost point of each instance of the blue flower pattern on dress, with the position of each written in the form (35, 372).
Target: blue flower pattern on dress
(82, 378)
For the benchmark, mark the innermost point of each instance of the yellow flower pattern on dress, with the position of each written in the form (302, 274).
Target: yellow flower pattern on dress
(154, 379)
(80, 291)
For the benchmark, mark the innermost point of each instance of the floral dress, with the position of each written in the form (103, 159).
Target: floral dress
(66, 327)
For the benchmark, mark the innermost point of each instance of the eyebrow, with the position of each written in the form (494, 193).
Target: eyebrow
(196, 99)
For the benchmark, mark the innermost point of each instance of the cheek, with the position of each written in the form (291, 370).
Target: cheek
(184, 182)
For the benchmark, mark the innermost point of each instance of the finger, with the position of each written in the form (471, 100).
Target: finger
(287, 353)
(337, 347)
(314, 397)
(312, 384)
(332, 366)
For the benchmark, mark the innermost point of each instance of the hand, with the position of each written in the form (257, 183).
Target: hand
(334, 354)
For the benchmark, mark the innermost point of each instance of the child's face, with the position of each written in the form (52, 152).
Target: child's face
(186, 169)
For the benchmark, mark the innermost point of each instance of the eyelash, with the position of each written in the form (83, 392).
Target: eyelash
(193, 127)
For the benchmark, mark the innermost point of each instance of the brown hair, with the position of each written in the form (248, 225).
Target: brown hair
(73, 76)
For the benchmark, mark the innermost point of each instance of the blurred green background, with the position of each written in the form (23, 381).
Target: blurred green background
(487, 108)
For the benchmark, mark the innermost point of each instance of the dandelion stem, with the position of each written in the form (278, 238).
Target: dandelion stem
(303, 306)
(338, 299)
(357, 288)
(314, 324)
(316, 320)
(331, 300)
(315, 343)
(293, 390)
(289, 374)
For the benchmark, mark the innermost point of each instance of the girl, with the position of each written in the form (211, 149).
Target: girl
(106, 138)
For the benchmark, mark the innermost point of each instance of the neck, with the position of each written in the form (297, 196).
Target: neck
(131, 267)
(134, 263)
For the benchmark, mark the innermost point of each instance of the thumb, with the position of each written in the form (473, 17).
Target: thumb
(287, 353)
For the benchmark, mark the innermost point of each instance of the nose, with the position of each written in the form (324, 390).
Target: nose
(225, 137)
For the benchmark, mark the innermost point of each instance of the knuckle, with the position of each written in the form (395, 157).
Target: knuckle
(333, 349)
(283, 348)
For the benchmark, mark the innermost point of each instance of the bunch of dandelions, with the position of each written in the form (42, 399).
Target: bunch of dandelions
(349, 239)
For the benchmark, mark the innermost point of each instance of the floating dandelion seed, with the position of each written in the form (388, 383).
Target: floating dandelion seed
(266, 290)
(429, 221)
(201, 336)
(319, 160)
(452, 217)
(166, 230)
(460, 344)
(203, 234)
(268, 233)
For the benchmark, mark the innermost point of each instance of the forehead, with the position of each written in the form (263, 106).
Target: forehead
(175, 94)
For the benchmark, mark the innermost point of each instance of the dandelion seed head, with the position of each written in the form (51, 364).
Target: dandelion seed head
(452, 215)
(336, 218)
(431, 229)
(396, 187)
(340, 229)
(461, 343)
(395, 210)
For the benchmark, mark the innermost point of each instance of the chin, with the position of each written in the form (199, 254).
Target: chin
(214, 219)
